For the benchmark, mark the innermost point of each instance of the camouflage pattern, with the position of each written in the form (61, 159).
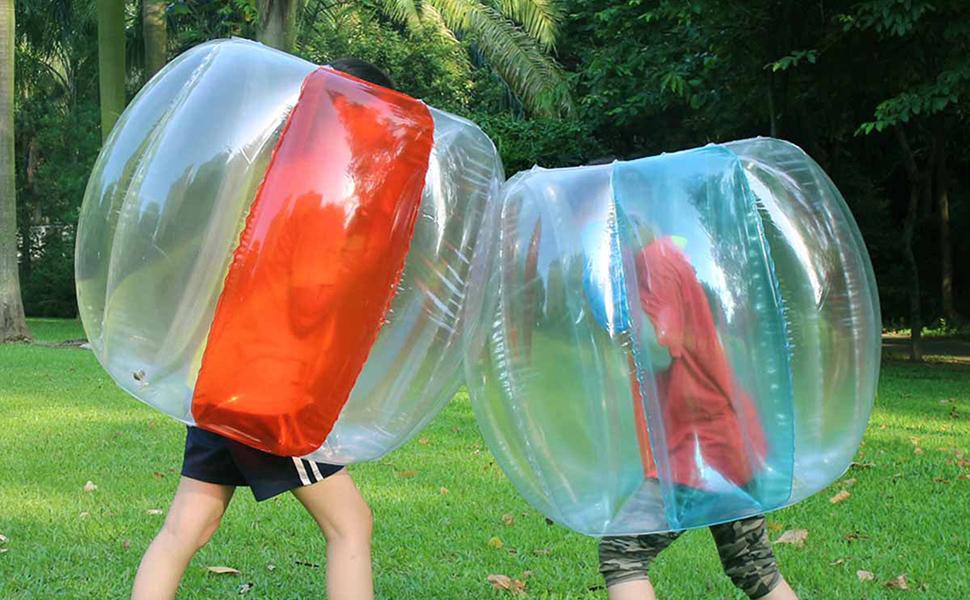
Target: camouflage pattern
(742, 545)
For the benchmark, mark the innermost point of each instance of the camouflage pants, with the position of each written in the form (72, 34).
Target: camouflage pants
(742, 545)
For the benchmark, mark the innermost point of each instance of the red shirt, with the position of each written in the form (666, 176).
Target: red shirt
(705, 413)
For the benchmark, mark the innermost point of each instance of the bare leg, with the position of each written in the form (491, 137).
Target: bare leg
(345, 519)
(640, 589)
(782, 591)
(192, 519)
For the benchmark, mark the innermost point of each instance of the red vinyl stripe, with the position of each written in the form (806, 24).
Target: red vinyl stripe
(317, 265)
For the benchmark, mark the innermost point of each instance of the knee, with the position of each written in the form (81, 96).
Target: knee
(190, 534)
(747, 557)
(355, 530)
(627, 558)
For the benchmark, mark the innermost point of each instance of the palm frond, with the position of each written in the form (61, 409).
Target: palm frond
(432, 18)
(401, 11)
(540, 18)
(536, 79)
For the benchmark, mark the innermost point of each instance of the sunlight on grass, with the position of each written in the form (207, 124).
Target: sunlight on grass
(438, 503)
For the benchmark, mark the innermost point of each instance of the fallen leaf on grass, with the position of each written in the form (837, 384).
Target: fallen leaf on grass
(424, 441)
(795, 537)
(158, 475)
(855, 536)
(917, 450)
(303, 563)
(775, 527)
(407, 473)
(940, 480)
(495, 542)
(244, 588)
(964, 476)
(442, 490)
(154, 511)
(90, 486)
(542, 551)
(508, 519)
(84, 515)
(222, 570)
(861, 465)
(838, 562)
(270, 567)
(3, 550)
(840, 497)
(898, 583)
(126, 544)
(865, 575)
(849, 482)
(504, 582)
(3, 539)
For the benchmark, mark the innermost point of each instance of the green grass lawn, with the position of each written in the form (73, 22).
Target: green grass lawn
(438, 501)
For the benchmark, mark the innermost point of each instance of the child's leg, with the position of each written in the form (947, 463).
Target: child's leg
(625, 561)
(345, 519)
(748, 560)
(192, 519)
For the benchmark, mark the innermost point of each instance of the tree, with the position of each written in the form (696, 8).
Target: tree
(924, 100)
(278, 23)
(515, 38)
(13, 325)
(111, 62)
(56, 92)
(156, 36)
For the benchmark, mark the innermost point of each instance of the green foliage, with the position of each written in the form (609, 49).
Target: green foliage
(49, 291)
(197, 21)
(57, 140)
(546, 142)
(511, 37)
(926, 49)
(793, 60)
(419, 61)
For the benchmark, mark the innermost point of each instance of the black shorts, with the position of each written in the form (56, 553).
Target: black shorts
(211, 458)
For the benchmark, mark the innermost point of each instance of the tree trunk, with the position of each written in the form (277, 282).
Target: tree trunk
(943, 216)
(111, 62)
(772, 115)
(13, 325)
(909, 229)
(277, 23)
(156, 36)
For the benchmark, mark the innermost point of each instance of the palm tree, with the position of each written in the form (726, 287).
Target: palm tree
(516, 38)
(277, 23)
(156, 36)
(13, 325)
(111, 62)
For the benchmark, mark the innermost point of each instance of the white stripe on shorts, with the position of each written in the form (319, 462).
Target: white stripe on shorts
(316, 471)
(301, 470)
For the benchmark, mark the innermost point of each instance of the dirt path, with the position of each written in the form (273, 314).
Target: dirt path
(949, 349)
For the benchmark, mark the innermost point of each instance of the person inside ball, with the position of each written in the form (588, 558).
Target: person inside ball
(709, 423)
(213, 466)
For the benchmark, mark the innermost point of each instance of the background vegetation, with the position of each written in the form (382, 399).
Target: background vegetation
(875, 90)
